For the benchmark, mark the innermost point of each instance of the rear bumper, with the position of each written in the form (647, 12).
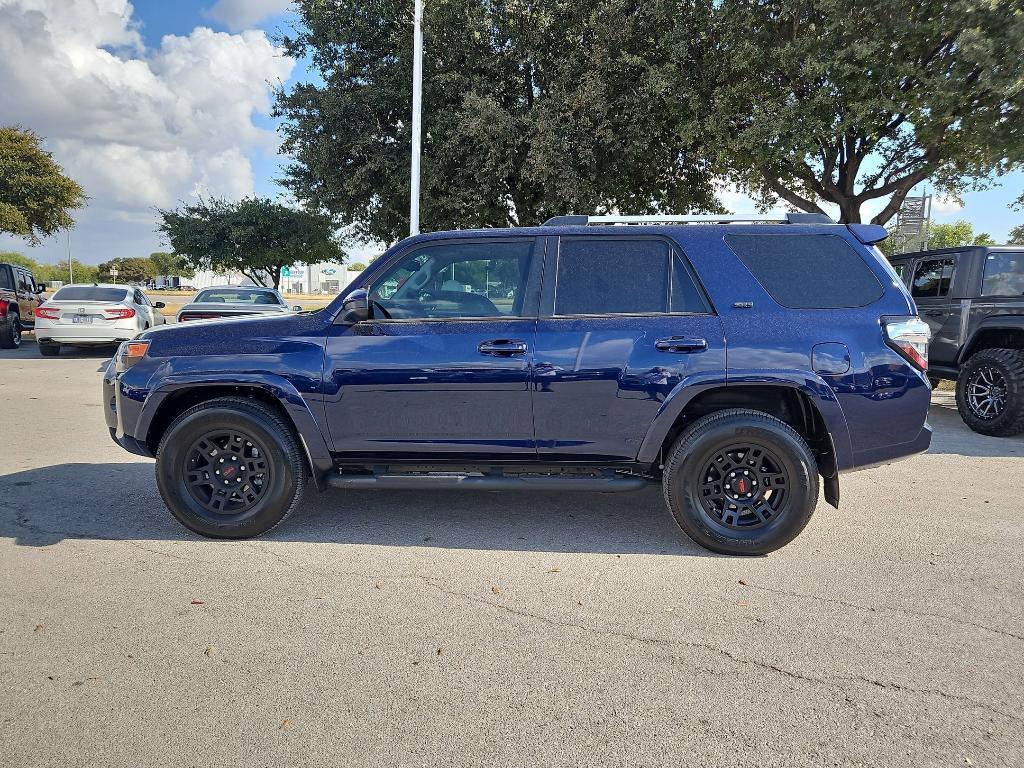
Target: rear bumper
(874, 457)
(85, 334)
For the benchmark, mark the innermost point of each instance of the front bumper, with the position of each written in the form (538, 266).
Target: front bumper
(119, 410)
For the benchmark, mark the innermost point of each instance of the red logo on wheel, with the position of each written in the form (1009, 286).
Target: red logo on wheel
(741, 485)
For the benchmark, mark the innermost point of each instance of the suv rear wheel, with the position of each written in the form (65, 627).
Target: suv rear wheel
(990, 392)
(10, 332)
(741, 482)
(230, 468)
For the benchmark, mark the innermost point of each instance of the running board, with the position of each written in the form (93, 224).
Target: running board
(608, 483)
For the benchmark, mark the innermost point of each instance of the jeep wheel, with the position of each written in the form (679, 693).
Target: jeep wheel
(741, 482)
(230, 468)
(10, 332)
(990, 392)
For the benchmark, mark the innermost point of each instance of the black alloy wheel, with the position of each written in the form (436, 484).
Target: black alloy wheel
(990, 392)
(986, 392)
(744, 486)
(227, 473)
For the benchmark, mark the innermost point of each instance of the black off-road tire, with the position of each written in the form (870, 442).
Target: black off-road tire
(1008, 364)
(47, 349)
(690, 492)
(10, 332)
(264, 426)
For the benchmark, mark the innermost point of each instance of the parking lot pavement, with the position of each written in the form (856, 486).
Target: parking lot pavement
(401, 628)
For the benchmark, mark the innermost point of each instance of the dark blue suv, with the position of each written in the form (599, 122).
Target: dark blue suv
(733, 361)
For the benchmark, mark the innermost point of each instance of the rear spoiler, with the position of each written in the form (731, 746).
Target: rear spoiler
(869, 234)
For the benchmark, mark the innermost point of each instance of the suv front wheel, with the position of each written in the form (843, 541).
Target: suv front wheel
(990, 392)
(10, 332)
(230, 468)
(741, 482)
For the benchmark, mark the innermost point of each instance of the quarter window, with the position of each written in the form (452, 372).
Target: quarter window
(456, 280)
(5, 278)
(932, 278)
(1004, 274)
(615, 276)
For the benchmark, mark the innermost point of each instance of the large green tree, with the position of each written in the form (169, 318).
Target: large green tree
(956, 234)
(818, 101)
(1016, 236)
(531, 108)
(36, 198)
(254, 236)
(171, 264)
(139, 269)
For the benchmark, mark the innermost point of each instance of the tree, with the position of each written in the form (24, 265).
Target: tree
(1016, 236)
(530, 110)
(254, 236)
(129, 270)
(83, 273)
(13, 257)
(171, 264)
(958, 233)
(848, 103)
(35, 196)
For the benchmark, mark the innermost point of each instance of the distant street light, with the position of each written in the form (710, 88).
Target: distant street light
(417, 99)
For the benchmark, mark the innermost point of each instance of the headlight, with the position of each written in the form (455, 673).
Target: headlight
(128, 354)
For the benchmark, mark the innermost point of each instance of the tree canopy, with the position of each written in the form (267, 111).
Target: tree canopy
(171, 264)
(255, 236)
(1016, 235)
(831, 101)
(530, 110)
(139, 269)
(958, 233)
(35, 196)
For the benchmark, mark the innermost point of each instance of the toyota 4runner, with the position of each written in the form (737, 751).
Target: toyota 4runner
(732, 361)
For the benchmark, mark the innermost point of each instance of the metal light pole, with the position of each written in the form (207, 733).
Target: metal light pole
(417, 99)
(71, 269)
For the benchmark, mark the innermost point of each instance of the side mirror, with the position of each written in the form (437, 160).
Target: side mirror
(159, 305)
(356, 307)
(297, 308)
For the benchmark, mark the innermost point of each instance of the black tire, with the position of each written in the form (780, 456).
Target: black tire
(1003, 371)
(781, 478)
(268, 462)
(10, 332)
(48, 350)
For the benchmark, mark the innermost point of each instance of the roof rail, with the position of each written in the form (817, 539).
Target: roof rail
(785, 218)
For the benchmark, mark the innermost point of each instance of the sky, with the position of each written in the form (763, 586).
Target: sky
(152, 103)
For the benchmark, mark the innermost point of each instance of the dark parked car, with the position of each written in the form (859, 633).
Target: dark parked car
(19, 297)
(733, 363)
(973, 299)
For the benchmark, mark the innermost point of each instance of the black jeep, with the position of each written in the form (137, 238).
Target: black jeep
(973, 299)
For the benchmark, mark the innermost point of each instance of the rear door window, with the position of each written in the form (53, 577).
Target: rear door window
(615, 276)
(932, 278)
(1004, 274)
(808, 271)
(5, 278)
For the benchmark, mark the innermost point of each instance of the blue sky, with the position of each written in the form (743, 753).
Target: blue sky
(153, 102)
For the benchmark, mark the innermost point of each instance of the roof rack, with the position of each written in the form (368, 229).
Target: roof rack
(785, 218)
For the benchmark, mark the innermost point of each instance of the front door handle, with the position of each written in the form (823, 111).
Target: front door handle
(502, 347)
(681, 344)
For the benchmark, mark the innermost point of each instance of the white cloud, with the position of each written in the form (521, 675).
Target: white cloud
(244, 14)
(137, 128)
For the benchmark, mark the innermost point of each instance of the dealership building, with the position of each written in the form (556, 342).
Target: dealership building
(326, 278)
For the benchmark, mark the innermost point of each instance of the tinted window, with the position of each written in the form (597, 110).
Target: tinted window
(5, 278)
(24, 280)
(899, 269)
(90, 293)
(454, 280)
(1004, 274)
(613, 276)
(686, 297)
(932, 278)
(236, 296)
(808, 271)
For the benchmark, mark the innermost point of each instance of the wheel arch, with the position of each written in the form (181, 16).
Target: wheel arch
(1005, 332)
(173, 398)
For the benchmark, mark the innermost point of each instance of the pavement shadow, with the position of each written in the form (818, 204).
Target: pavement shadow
(954, 437)
(44, 506)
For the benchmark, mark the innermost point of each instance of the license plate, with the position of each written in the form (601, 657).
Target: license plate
(81, 319)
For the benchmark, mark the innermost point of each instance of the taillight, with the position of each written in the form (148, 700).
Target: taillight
(121, 313)
(47, 313)
(3, 308)
(909, 336)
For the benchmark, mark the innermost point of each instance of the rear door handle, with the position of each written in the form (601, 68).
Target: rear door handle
(681, 344)
(502, 347)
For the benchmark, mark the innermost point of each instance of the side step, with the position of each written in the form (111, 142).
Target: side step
(609, 482)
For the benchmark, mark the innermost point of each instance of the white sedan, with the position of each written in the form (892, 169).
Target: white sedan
(90, 315)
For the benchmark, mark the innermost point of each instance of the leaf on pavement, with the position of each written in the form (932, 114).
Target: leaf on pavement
(211, 651)
(495, 590)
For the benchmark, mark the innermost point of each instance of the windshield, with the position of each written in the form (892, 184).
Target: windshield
(89, 293)
(236, 296)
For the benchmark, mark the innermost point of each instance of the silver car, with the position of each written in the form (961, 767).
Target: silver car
(233, 301)
(91, 315)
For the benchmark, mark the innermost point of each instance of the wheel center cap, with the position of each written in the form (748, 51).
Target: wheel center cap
(741, 485)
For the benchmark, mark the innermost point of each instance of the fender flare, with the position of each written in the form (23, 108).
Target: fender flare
(309, 430)
(991, 323)
(809, 384)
